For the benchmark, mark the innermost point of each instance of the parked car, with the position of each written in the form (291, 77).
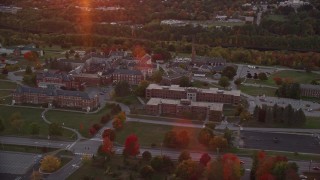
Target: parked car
(316, 168)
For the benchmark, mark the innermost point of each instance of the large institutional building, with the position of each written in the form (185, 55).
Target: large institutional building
(55, 97)
(193, 94)
(176, 100)
(309, 90)
(157, 106)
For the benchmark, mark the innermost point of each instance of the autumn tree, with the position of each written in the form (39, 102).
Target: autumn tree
(218, 142)
(107, 146)
(189, 170)
(238, 81)
(204, 159)
(36, 175)
(205, 135)
(184, 155)
(109, 133)
(131, 146)
(121, 116)
(117, 124)
(50, 164)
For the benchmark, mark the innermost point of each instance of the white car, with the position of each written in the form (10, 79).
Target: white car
(303, 176)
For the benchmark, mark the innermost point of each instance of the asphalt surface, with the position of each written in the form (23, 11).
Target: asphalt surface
(34, 142)
(287, 142)
(16, 164)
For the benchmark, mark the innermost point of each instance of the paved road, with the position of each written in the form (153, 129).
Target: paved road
(67, 169)
(35, 142)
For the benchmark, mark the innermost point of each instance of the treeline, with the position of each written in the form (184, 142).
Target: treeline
(289, 90)
(279, 115)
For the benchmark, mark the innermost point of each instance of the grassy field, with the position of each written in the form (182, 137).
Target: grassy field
(29, 116)
(292, 76)
(127, 100)
(7, 85)
(74, 119)
(274, 17)
(257, 91)
(154, 133)
(312, 123)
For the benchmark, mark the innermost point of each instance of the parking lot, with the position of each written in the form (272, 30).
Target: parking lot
(285, 142)
(16, 162)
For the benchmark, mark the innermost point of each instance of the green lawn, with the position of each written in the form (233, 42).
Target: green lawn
(313, 123)
(128, 100)
(4, 93)
(293, 76)
(74, 119)
(274, 17)
(29, 116)
(154, 133)
(7, 85)
(257, 91)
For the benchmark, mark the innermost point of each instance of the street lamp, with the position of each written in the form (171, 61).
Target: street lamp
(310, 165)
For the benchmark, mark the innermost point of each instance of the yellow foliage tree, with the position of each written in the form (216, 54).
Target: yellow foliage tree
(36, 175)
(50, 163)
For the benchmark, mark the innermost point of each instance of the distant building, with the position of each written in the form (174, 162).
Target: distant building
(193, 94)
(58, 79)
(171, 79)
(158, 106)
(133, 77)
(21, 50)
(55, 97)
(309, 90)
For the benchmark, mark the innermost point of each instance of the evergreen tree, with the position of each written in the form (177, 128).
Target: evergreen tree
(269, 115)
(256, 113)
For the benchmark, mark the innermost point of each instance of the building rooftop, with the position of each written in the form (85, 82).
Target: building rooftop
(52, 92)
(213, 106)
(211, 90)
(127, 71)
(310, 86)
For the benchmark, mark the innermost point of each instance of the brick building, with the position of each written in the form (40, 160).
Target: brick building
(58, 79)
(55, 97)
(158, 106)
(193, 94)
(309, 90)
(133, 77)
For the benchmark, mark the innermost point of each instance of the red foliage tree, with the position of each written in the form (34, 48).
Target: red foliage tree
(31, 56)
(205, 158)
(277, 80)
(131, 146)
(231, 166)
(107, 146)
(109, 133)
(92, 131)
